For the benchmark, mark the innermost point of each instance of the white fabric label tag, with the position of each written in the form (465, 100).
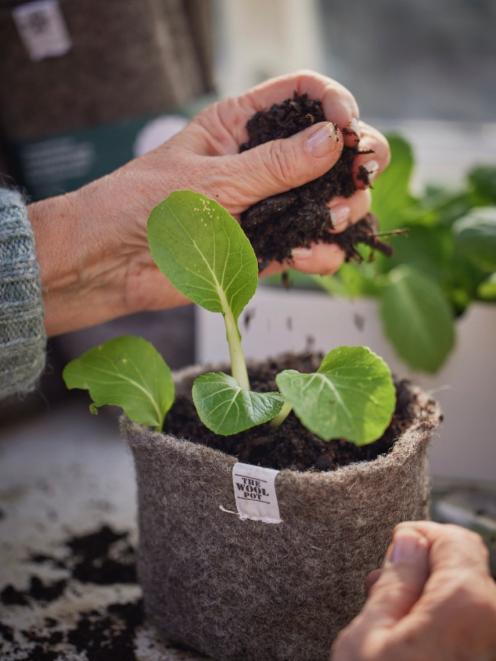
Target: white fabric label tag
(42, 29)
(255, 493)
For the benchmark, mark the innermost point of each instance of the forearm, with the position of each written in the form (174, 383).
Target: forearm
(93, 252)
(81, 282)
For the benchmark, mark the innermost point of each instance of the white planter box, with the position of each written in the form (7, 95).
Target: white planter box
(465, 387)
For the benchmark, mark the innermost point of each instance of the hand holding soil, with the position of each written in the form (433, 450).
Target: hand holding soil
(92, 244)
(434, 598)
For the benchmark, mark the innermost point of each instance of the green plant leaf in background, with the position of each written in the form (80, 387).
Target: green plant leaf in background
(475, 236)
(127, 372)
(351, 281)
(203, 251)
(453, 254)
(482, 180)
(391, 197)
(487, 289)
(226, 408)
(417, 318)
(351, 396)
(423, 247)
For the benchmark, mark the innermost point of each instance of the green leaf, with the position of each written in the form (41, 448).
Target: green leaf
(475, 236)
(417, 318)
(227, 409)
(203, 251)
(450, 207)
(487, 289)
(352, 281)
(425, 248)
(483, 182)
(127, 372)
(351, 396)
(391, 198)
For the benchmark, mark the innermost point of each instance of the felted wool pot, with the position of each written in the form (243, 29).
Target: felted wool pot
(234, 588)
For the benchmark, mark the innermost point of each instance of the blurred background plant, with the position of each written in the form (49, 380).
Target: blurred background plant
(444, 260)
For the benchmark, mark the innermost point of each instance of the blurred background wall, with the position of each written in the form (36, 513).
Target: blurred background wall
(424, 68)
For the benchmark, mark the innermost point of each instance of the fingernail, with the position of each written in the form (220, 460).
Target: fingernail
(322, 141)
(340, 215)
(408, 549)
(353, 128)
(301, 253)
(372, 168)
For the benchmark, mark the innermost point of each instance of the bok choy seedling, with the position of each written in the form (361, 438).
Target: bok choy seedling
(205, 254)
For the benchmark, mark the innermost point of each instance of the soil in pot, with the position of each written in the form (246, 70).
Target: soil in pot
(236, 588)
(301, 216)
(291, 445)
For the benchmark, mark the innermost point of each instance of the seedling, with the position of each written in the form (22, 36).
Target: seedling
(205, 254)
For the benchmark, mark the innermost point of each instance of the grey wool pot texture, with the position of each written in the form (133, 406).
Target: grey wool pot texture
(244, 589)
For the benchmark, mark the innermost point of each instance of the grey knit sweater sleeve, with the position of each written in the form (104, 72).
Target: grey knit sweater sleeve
(22, 333)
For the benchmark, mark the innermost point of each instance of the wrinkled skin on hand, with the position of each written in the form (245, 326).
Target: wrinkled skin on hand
(96, 264)
(434, 599)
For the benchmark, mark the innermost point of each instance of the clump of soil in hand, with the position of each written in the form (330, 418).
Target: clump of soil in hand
(300, 216)
(290, 445)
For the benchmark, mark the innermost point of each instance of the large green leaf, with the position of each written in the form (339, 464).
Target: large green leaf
(127, 372)
(351, 396)
(391, 198)
(475, 236)
(203, 251)
(417, 318)
(226, 408)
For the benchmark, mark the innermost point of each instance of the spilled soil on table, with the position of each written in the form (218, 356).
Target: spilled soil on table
(102, 557)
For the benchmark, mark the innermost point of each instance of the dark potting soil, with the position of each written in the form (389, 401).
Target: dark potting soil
(110, 635)
(301, 216)
(103, 556)
(291, 445)
(103, 634)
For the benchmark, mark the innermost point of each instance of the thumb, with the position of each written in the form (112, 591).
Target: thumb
(402, 580)
(279, 165)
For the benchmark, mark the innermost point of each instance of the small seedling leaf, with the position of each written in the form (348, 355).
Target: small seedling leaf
(351, 396)
(203, 251)
(226, 408)
(127, 372)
